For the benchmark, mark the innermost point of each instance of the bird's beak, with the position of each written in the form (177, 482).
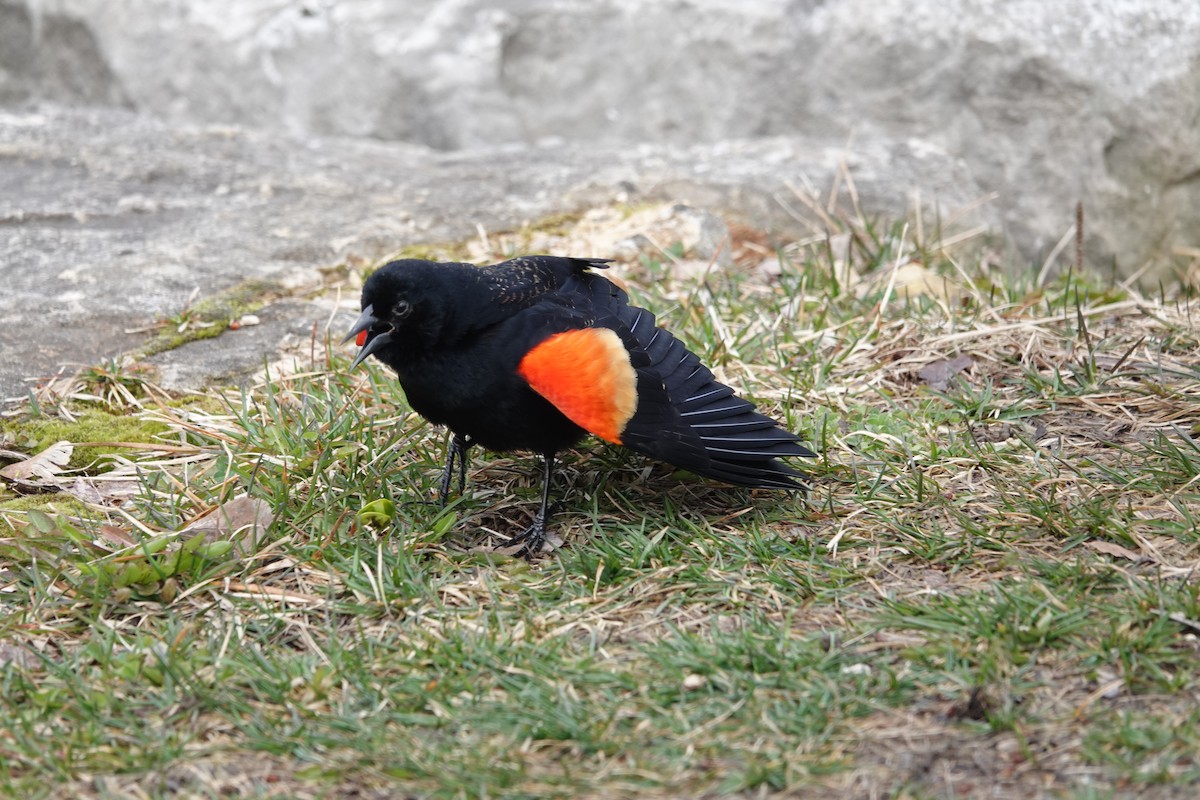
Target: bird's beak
(373, 344)
(365, 322)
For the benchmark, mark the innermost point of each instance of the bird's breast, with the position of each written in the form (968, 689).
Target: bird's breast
(486, 400)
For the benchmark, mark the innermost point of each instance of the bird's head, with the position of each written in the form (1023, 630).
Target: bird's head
(404, 305)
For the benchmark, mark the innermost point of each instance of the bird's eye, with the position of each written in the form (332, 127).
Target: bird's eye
(402, 309)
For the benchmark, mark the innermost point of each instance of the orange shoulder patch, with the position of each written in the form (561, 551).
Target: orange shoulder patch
(587, 375)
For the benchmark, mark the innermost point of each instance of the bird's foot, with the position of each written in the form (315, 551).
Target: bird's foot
(528, 543)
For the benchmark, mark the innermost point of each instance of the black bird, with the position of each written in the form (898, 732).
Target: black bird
(537, 352)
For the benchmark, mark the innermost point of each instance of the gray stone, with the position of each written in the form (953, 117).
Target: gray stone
(257, 144)
(1046, 104)
(110, 221)
(236, 355)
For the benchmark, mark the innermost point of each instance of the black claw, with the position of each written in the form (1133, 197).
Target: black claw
(531, 540)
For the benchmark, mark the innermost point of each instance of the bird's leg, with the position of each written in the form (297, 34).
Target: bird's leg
(457, 448)
(462, 464)
(535, 535)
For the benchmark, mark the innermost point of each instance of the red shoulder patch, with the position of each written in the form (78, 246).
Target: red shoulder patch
(587, 375)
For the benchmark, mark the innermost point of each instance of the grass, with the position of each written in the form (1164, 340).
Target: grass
(989, 590)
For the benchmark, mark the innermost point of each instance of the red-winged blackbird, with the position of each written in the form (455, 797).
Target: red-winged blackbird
(537, 352)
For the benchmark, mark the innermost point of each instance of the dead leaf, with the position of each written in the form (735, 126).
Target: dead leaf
(84, 491)
(115, 490)
(18, 656)
(503, 550)
(115, 535)
(44, 466)
(241, 518)
(938, 374)
(1116, 551)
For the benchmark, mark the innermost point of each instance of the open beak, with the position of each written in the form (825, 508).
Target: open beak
(370, 344)
(365, 320)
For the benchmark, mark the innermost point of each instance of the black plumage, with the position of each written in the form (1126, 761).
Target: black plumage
(461, 340)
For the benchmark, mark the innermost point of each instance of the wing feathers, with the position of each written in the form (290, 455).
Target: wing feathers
(711, 431)
(680, 414)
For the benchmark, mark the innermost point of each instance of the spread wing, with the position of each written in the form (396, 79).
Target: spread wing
(693, 421)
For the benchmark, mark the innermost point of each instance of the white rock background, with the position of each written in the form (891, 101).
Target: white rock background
(1042, 102)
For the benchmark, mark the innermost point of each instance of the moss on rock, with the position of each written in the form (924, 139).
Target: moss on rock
(37, 433)
(211, 316)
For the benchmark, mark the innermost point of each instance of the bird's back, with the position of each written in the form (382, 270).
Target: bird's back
(684, 416)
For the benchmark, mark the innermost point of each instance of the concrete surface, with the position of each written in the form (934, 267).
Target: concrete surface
(110, 220)
(1045, 103)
